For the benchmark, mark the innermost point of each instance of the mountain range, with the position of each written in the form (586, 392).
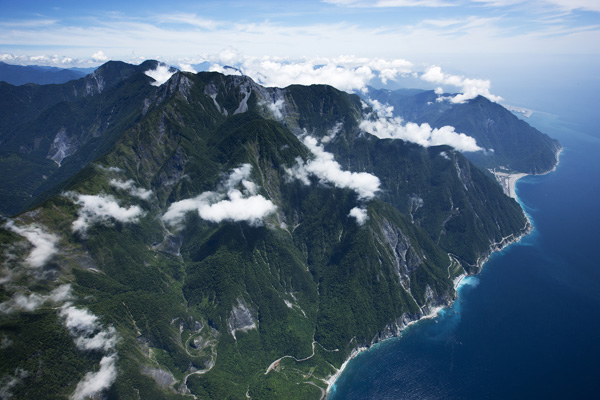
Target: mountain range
(41, 75)
(207, 236)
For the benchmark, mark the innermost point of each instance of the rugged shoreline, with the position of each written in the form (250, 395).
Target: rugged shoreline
(508, 184)
(432, 312)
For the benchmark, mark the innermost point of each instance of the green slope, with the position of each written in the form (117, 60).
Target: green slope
(209, 306)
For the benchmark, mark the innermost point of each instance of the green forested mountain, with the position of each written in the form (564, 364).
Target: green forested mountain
(49, 132)
(227, 241)
(509, 142)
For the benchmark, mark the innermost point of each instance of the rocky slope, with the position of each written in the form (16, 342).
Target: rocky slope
(232, 241)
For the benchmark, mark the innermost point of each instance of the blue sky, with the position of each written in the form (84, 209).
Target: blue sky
(385, 28)
(545, 41)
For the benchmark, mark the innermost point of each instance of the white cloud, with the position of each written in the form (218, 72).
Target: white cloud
(101, 209)
(161, 74)
(470, 88)
(395, 128)
(78, 319)
(279, 73)
(130, 187)
(44, 243)
(390, 3)
(20, 302)
(360, 214)
(332, 133)
(176, 212)
(567, 5)
(185, 67)
(229, 204)
(276, 108)
(88, 332)
(587, 5)
(381, 124)
(327, 170)
(346, 73)
(237, 208)
(96, 382)
(239, 175)
(8, 382)
(99, 56)
(382, 110)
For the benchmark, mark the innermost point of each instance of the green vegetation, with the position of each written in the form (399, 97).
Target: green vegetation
(209, 307)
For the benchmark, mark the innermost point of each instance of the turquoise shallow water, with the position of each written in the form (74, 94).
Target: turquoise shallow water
(528, 326)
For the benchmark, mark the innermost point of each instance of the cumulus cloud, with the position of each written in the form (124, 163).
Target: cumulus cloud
(96, 382)
(185, 67)
(235, 201)
(43, 243)
(88, 332)
(237, 208)
(99, 56)
(360, 214)
(345, 73)
(161, 74)
(21, 302)
(381, 124)
(131, 188)
(100, 209)
(327, 170)
(470, 88)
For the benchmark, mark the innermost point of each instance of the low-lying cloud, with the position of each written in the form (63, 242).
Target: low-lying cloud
(384, 126)
(21, 302)
(130, 187)
(360, 214)
(332, 133)
(235, 201)
(88, 332)
(43, 243)
(276, 108)
(96, 382)
(10, 381)
(101, 209)
(161, 74)
(327, 170)
(470, 88)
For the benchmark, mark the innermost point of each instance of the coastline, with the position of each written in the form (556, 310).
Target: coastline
(510, 179)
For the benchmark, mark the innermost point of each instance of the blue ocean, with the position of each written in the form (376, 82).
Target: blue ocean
(528, 326)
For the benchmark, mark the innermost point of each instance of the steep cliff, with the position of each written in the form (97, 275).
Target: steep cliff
(235, 241)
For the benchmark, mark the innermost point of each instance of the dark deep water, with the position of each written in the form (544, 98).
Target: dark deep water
(528, 326)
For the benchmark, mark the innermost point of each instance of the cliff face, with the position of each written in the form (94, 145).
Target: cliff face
(231, 230)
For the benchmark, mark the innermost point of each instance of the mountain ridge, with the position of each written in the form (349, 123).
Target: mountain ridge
(197, 292)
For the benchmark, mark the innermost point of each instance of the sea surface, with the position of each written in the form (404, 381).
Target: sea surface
(528, 326)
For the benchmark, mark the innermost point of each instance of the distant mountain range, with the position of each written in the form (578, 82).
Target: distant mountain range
(22, 74)
(207, 235)
(509, 142)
